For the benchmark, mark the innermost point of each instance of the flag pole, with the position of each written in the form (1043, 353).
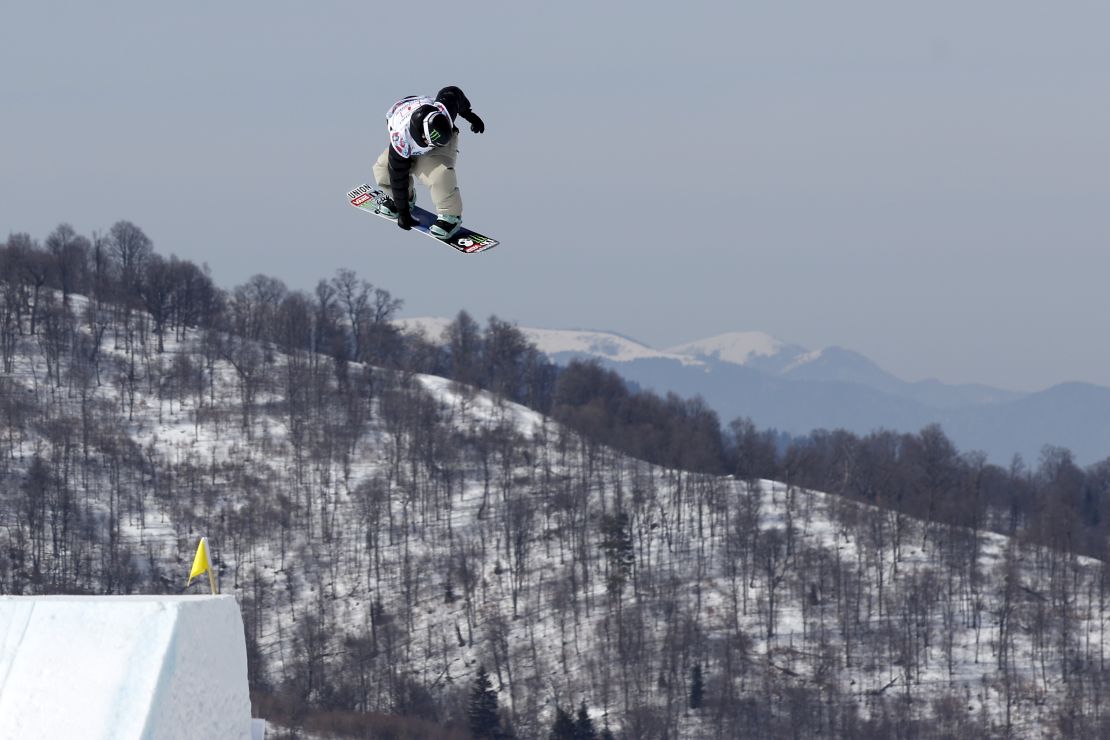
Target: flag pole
(212, 576)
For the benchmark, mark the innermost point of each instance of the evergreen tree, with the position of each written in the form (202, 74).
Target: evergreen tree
(563, 727)
(619, 549)
(482, 711)
(584, 726)
(697, 687)
(606, 734)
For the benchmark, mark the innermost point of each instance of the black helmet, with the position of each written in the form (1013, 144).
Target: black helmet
(430, 126)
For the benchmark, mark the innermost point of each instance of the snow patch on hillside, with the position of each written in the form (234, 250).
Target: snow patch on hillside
(803, 359)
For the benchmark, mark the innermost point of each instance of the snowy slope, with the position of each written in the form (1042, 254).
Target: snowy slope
(457, 529)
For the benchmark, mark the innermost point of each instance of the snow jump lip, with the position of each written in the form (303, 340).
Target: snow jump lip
(100, 667)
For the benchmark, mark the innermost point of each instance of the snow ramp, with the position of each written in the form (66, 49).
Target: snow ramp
(121, 667)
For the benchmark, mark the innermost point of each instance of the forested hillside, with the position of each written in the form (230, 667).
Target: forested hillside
(470, 540)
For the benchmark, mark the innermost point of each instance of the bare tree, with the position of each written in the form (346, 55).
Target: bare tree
(130, 248)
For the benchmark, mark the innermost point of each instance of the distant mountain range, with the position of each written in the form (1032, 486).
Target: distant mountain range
(796, 390)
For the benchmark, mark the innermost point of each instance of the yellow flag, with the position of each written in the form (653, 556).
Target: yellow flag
(200, 561)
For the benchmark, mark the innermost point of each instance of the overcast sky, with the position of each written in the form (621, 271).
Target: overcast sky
(925, 183)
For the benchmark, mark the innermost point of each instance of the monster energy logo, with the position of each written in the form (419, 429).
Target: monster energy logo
(434, 135)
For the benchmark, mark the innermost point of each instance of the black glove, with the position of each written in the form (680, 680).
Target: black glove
(405, 219)
(477, 125)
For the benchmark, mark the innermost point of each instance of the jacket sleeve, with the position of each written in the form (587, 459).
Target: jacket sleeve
(455, 100)
(399, 170)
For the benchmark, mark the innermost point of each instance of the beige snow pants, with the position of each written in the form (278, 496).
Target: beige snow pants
(435, 170)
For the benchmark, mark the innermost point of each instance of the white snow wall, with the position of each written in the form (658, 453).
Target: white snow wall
(121, 667)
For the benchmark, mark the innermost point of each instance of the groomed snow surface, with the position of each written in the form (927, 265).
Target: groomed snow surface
(149, 667)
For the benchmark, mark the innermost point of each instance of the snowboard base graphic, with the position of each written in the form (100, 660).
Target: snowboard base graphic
(366, 198)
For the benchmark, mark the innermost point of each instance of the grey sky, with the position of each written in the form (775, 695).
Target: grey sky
(927, 183)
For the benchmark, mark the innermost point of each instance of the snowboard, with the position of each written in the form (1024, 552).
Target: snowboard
(366, 198)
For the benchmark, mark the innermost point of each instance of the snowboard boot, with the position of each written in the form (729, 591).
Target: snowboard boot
(445, 226)
(388, 207)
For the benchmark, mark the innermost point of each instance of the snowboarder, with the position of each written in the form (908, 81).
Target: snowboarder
(423, 142)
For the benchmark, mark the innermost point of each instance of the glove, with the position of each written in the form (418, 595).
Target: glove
(405, 219)
(477, 125)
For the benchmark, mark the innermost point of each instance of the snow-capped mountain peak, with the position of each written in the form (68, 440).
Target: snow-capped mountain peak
(604, 344)
(736, 347)
(565, 342)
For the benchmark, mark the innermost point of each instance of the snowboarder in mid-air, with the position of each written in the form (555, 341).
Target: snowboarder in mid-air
(423, 141)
